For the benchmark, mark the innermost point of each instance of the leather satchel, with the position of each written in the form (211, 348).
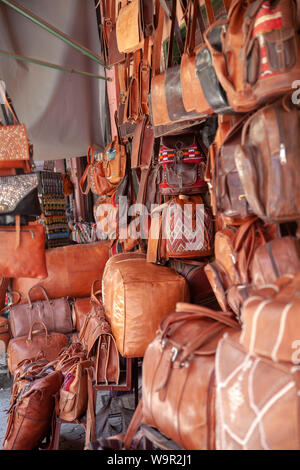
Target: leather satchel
(133, 321)
(254, 397)
(55, 314)
(178, 375)
(270, 317)
(31, 412)
(268, 158)
(259, 59)
(28, 347)
(67, 266)
(22, 251)
(129, 27)
(275, 259)
(182, 160)
(99, 342)
(108, 35)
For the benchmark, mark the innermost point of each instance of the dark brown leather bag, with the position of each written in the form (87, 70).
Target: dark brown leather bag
(108, 33)
(31, 412)
(28, 347)
(275, 259)
(99, 342)
(178, 375)
(259, 58)
(142, 144)
(267, 161)
(55, 313)
(67, 266)
(22, 251)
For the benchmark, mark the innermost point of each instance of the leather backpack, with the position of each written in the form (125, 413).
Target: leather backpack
(267, 161)
(259, 57)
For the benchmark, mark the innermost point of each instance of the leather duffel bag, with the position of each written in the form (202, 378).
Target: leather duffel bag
(71, 272)
(28, 347)
(136, 296)
(55, 314)
(31, 412)
(257, 400)
(178, 375)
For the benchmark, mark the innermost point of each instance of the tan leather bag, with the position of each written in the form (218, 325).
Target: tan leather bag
(178, 375)
(129, 28)
(22, 251)
(81, 309)
(136, 296)
(56, 314)
(257, 400)
(271, 323)
(73, 395)
(28, 347)
(31, 412)
(98, 340)
(67, 267)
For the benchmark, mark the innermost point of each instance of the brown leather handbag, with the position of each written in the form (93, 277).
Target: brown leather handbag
(28, 347)
(257, 400)
(95, 176)
(142, 144)
(99, 342)
(134, 320)
(31, 412)
(178, 375)
(81, 308)
(22, 251)
(270, 317)
(67, 266)
(259, 57)
(267, 161)
(55, 314)
(73, 396)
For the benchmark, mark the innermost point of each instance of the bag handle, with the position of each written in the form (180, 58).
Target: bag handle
(90, 159)
(95, 293)
(38, 286)
(30, 334)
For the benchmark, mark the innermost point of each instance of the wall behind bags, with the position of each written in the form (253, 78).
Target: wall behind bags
(64, 113)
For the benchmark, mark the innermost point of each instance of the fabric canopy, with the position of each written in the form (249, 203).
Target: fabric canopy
(64, 113)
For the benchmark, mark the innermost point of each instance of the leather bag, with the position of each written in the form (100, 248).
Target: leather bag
(142, 144)
(99, 342)
(270, 317)
(55, 314)
(134, 320)
(67, 266)
(182, 160)
(275, 259)
(254, 397)
(268, 158)
(108, 35)
(81, 309)
(14, 148)
(28, 347)
(31, 413)
(129, 26)
(19, 195)
(22, 251)
(178, 375)
(5, 333)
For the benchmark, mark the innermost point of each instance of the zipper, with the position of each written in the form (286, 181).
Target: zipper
(282, 147)
(6, 230)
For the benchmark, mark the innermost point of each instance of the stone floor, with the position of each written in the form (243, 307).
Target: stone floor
(72, 436)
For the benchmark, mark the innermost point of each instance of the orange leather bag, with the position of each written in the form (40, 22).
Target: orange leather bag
(71, 272)
(137, 295)
(178, 375)
(22, 251)
(28, 347)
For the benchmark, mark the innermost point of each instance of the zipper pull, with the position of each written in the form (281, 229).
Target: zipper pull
(282, 154)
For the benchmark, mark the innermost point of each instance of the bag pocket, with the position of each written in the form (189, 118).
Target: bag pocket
(181, 174)
(281, 49)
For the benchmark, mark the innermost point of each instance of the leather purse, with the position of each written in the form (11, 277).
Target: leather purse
(259, 58)
(182, 160)
(99, 342)
(22, 251)
(275, 259)
(28, 347)
(166, 105)
(95, 177)
(133, 321)
(268, 158)
(179, 229)
(66, 267)
(30, 415)
(178, 375)
(129, 27)
(254, 396)
(55, 314)
(19, 195)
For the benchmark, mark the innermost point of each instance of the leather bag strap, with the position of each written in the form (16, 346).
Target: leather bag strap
(37, 286)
